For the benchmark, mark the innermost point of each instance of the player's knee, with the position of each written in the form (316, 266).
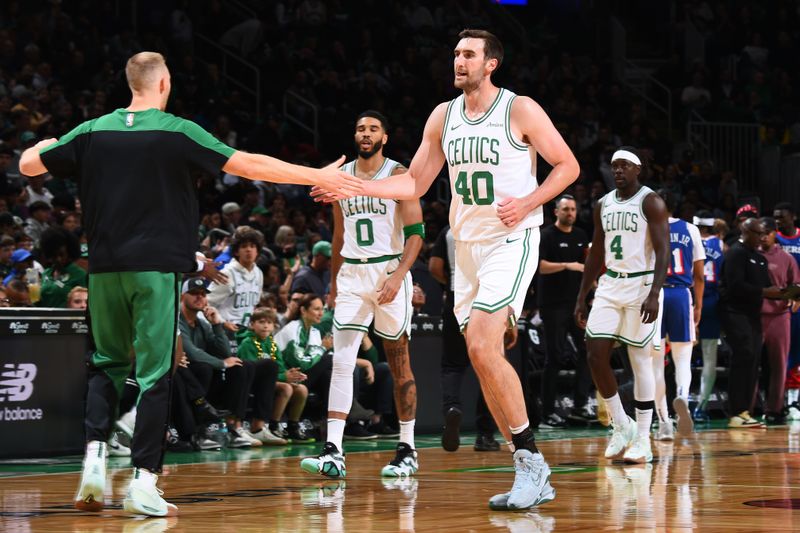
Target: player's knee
(343, 367)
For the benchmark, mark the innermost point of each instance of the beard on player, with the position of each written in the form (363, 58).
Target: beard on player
(367, 151)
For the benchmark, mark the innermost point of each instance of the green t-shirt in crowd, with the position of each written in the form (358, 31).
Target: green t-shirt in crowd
(253, 348)
(55, 288)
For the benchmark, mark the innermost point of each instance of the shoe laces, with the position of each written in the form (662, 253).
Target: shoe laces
(527, 468)
(402, 453)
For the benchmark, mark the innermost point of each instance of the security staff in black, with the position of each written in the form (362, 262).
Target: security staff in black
(455, 359)
(134, 167)
(562, 252)
(744, 283)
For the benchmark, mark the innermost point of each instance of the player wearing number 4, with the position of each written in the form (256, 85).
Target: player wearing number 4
(679, 318)
(489, 138)
(375, 243)
(631, 236)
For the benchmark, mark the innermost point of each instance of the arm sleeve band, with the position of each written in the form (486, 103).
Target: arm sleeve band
(414, 229)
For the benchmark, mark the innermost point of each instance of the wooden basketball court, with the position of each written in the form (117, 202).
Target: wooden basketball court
(717, 481)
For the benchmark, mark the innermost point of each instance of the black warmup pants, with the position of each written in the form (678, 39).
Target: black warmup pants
(186, 390)
(377, 396)
(455, 361)
(558, 321)
(743, 333)
(227, 388)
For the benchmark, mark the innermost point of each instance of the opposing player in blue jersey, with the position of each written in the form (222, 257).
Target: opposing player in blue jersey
(789, 239)
(709, 323)
(679, 319)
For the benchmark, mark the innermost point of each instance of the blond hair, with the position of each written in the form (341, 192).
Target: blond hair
(75, 290)
(143, 70)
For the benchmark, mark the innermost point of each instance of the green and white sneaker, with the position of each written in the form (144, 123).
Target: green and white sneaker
(404, 464)
(90, 496)
(329, 463)
(144, 497)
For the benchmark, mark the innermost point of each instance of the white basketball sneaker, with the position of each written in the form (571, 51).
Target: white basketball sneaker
(640, 451)
(90, 496)
(665, 432)
(621, 437)
(144, 497)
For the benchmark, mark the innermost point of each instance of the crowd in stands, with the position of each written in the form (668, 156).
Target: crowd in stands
(61, 63)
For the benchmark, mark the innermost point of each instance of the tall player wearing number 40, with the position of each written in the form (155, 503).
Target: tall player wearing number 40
(375, 243)
(489, 138)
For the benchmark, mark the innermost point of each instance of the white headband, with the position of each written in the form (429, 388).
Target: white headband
(627, 156)
(697, 221)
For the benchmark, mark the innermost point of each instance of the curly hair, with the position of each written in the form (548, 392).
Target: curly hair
(246, 234)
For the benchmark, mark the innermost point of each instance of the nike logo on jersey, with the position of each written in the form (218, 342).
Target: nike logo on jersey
(515, 240)
(454, 127)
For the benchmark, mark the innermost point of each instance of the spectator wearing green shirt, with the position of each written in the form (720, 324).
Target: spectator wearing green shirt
(60, 248)
(258, 343)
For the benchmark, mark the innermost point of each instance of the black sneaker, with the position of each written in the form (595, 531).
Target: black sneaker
(175, 444)
(357, 431)
(204, 412)
(774, 419)
(582, 415)
(486, 443)
(552, 421)
(451, 439)
(279, 430)
(383, 430)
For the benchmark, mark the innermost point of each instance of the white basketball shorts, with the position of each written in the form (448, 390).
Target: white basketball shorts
(493, 275)
(357, 300)
(617, 311)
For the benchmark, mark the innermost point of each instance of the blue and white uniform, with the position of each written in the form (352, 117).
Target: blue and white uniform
(709, 323)
(686, 247)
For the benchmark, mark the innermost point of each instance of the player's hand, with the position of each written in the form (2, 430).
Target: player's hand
(231, 361)
(650, 307)
(510, 337)
(511, 211)
(338, 183)
(698, 313)
(211, 273)
(389, 289)
(581, 312)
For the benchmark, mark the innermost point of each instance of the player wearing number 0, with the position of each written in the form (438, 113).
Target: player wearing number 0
(679, 318)
(489, 138)
(631, 237)
(375, 243)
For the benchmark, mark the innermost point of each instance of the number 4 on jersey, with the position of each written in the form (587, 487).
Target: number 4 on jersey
(482, 189)
(616, 247)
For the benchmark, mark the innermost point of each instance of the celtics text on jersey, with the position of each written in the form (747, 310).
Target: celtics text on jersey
(628, 248)
(372, 226)
(487, 164)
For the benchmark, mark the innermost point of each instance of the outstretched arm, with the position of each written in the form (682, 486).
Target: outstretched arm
(658, 225)
(260, 167)
(425, 165)
(30, 162)
(531, 124)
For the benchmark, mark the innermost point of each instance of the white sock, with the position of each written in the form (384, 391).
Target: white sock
(520, 429)
(407, 432)
(336, 432)
(682, 356)
(709, 375)
(614, 405)
(644, 417)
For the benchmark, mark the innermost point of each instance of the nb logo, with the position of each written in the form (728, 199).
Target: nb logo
(16, 382)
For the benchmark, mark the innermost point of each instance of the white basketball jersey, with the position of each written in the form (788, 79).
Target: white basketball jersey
(628, 246)
(487, 165)
(372, 226)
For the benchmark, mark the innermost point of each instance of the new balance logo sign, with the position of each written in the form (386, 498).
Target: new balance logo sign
(16, 382)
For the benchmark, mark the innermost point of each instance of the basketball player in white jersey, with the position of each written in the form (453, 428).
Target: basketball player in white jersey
(631, 238)
(489, 138)
(375, 243)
